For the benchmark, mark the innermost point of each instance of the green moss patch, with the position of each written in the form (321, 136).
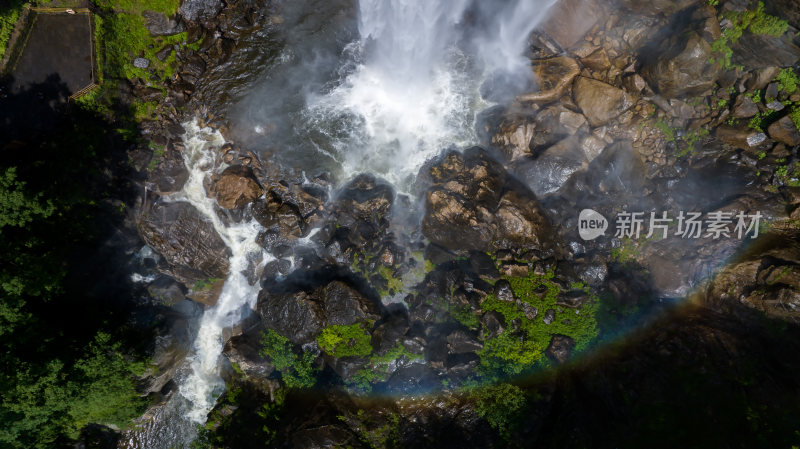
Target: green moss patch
(514, 352)
(346, 341)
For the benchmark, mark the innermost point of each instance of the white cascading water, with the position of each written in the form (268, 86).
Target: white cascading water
(412, 94)
(415, 90)
(203, 384)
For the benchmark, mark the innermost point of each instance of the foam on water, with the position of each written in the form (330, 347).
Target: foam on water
(203, 385)
(412, 87)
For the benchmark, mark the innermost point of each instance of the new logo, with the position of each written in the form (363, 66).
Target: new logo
(591, 224)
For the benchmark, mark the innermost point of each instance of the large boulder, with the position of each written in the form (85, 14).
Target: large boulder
(761, 51)
(766, 279)
(785, 131)
(236, 187)
(601, 102)
(568, 21)
(200, 10)
(473, 204)
(160, 25)
(362, 210)
(652, 7)
(186, 240)
(551, 169)
(787, 9)
(553, 77)
(300, 316)
(682, 64)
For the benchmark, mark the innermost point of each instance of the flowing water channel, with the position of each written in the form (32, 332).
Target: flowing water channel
(405, 89)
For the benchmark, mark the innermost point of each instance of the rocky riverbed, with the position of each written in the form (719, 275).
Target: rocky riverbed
(406, 304)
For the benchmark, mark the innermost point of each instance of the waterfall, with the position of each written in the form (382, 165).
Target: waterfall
(203, 384)
(414, 87)
(409, 88)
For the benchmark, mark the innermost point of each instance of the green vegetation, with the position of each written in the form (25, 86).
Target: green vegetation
(795, 116)
(501, 406)
(132, 40)
(376, 431)
(297, 371)
(788, 81)
(9, 14)
(55, 400)
(393, 284)
(688, 141)
(514, 352)
(666, 130)
(755, 21)
(17, 208)
(167, 7)
(346, 341)
(377, 368)
(361, 262)
(788, 174)
(205, 284)
(465, 316)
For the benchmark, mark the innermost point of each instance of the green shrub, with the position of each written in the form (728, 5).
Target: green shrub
(345, 341)
(297, 371)
(755, 21)
(377, 368)
(512, 353)
(9, 14)
(500, 405)
(53, 400)
(788, 81)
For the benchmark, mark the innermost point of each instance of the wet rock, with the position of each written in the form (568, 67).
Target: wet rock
(597, 61)
(568, 21)
(200, 10)
(740, 138)
(784, 131)
(472, 205)
(560, 348)
(786, 9)
(206, 292)
(460, 342)
(553, 77)
(159, 25)
(319, 437)
(298, 198)
(362, 210)
(555, 123)
(758, 51)
(296, 316)
(766, 278)
(243, 350)
(492, 324)
(503, 292)
(141, 63)
(236, 187)
(601, 102)
(343, 305)
(665, 7)
(634, 83)
(168, 176)
(549, 316)
(164, 53)
(171, 345)
(681, 65)
(513, 135)
(166, 291)
(186, 240)
(300, 316)
(744, 107)
(551, 170)
(529, 310)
